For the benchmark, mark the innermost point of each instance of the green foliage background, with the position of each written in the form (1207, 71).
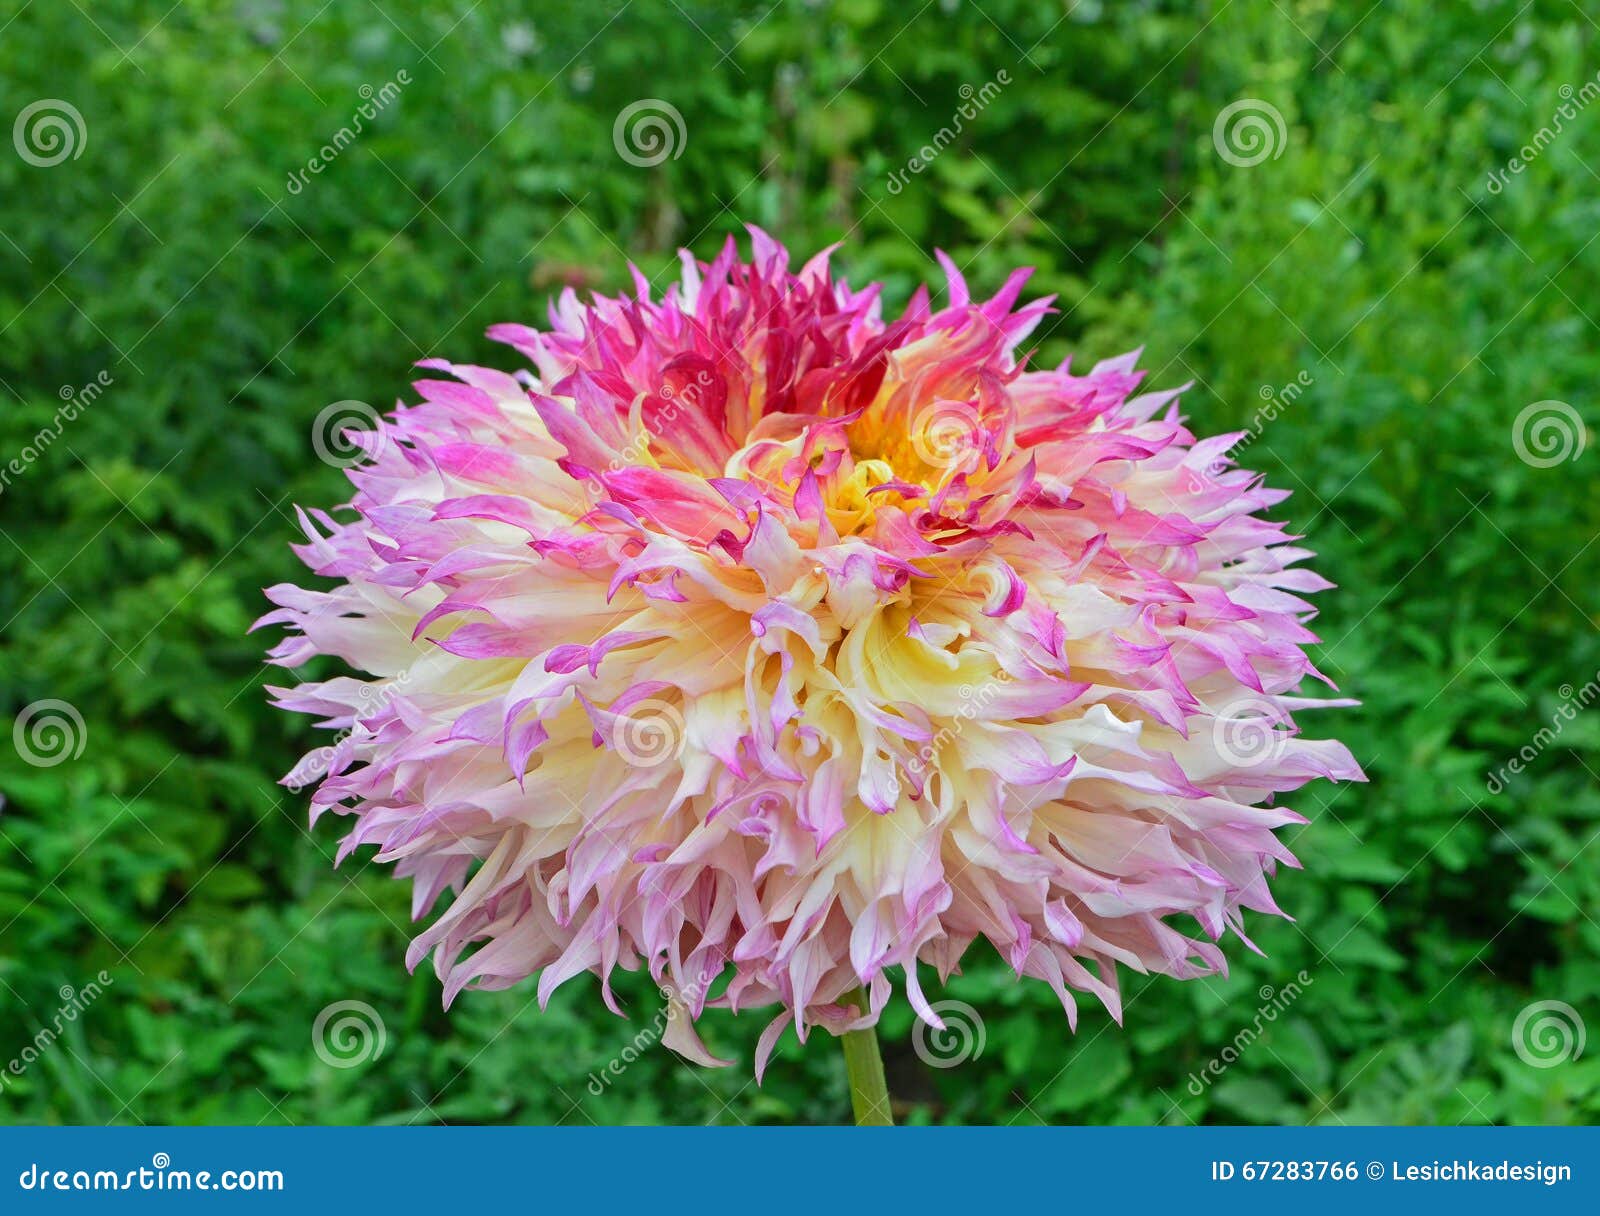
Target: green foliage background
(1369, 254)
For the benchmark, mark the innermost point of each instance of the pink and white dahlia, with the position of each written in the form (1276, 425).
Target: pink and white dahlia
(770, 644)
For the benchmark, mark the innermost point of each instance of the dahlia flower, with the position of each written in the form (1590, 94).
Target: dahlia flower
(769, 644)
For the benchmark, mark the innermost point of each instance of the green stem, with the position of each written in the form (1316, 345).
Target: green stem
(869, 1092)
